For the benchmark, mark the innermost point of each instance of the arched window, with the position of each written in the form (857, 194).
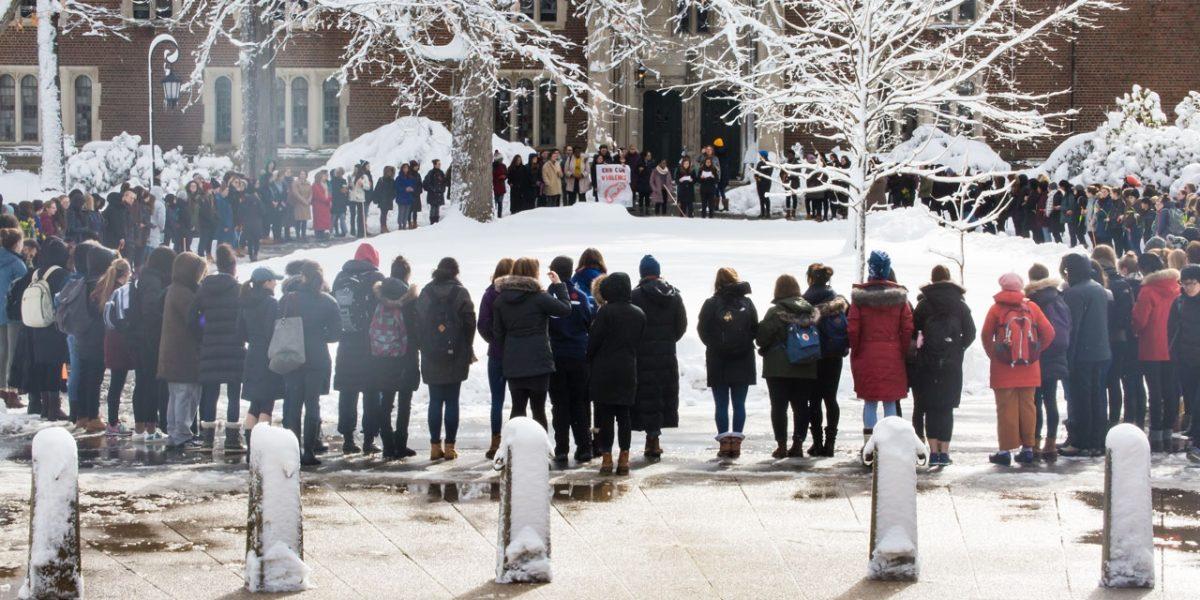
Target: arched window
(300, 111)
(223, 91)
(547, 116)
(524, 115)
(280, 112)
(331, 112)
(503, 111)
(29, 109)
(83, 109)
(8, 109)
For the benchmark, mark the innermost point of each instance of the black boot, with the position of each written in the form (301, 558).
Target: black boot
(830, 442)
(233, 441)
(206, 437)
(389, 446)
(368, 446)
(35, 405)
(246, 436)
(348, 445)
(865, 458)
(818, 445)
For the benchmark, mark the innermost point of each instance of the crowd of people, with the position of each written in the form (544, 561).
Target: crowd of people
(1121, 336)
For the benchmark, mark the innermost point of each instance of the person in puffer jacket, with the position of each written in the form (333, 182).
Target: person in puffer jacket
(570, 411)
(1043, 290)
(1087, 357)
(656, 406)
(1183, 326)
(1159, 290)
(213, 320)
(788, 384)
(880, 329)
(833, 308)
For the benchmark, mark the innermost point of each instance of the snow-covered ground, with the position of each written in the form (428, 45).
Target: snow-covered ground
(19, 186)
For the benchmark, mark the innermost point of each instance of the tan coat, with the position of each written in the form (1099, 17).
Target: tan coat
(583, 183)
(552, 178)
(300, 197)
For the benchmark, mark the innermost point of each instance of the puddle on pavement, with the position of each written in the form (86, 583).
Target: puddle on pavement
(456, 492)
(823, 490)
(126, 538)
(1176, 503)
(9, 572)
(108, 452)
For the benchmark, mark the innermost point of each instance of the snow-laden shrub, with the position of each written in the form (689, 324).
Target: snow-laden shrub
(102, 166)
(931, 145)
(1136, 139)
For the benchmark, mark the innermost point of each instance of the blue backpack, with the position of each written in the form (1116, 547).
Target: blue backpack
(803, 344)
(835, 335)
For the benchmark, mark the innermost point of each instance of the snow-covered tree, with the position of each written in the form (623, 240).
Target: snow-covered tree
(436, 51)
(846, 71)
(973, 207)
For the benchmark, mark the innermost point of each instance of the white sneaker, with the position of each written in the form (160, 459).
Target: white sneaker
(156, 437)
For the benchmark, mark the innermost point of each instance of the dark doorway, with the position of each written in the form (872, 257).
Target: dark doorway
(717, 120)
(662, 125)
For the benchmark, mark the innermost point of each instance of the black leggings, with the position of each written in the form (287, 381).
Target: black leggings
(829, 375)
(785, 392)
(643, 202)
(116, 385)
(534, 399)
(1164, 394)
(606, 414)
(91, 375)
(939, 423)
(149, 393)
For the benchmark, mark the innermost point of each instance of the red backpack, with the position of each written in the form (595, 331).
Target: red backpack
(1017, 340)
(387, 333)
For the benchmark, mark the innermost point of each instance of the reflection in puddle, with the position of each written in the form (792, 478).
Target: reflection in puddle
(455, 492)
(1183, 508)
(132, 538)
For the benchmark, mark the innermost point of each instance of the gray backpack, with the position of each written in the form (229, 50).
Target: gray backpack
(286, 351)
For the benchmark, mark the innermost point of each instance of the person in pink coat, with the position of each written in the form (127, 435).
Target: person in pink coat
(322, 205)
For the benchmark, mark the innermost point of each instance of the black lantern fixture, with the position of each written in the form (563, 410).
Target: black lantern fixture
(640, 73)
(171, 88)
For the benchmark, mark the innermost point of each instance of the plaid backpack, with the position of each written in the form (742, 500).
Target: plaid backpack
(387, 333)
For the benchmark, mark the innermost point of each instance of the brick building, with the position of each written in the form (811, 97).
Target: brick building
(104, 86)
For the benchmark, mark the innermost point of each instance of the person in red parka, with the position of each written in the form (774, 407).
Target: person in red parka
(499, 177)
(322, 205)
(1160, 288)
(1014, 382)
(880, 328)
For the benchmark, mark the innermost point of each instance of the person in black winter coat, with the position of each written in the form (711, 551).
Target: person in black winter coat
(146, 312)
(1121, 341)
(397, 386)
(116, 219)
(385, 196)
(656, 405)
(303, 388)
(1183, 329)
(252, 213)
(944, 325)
(90, 342)
(446, 329)
(832, 309)
(570, 411)
(435, 184)
(727, 325)
(1087, 357)
(520, 324)
(257, 311)
(354, 290)
(213, 318)
(41, 351)
(612, 355)
(1043, 290)
(392, 375)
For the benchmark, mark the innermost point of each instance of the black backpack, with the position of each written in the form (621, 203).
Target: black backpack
(445, 335)
(733, 327)
(353, 297)
(941, 340)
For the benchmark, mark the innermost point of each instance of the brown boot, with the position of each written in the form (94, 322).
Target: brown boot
(606, 464)
(735, 448)
(1050, 450)
(11, 399)
(450, 453)
(658, 451)
(623, 463)
(435, 451)
(780, 451)
(495, 447)
(724, 451)
(648, 452)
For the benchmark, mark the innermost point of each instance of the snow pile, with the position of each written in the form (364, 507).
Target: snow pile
(1190, 174)
(275, 534)
(523, 548)
(1129, 515)
(1135, 139)
(54, 526)
(19, 186)
(409, 138)
(102, 166)
(895, 448)
(930, 145)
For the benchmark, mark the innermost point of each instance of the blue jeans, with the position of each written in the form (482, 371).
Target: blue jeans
(403, 214)
(871, 412)
(339, 224)
(443, 396)
(722, 395)
(496, 383)
(1046, 399)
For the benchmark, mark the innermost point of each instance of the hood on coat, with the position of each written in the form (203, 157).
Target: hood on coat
(188, 269)
(356, 265)
(741, 288)
(218, 283)
(657, 291)
(1163, 278)
(160, 261)
(833, 306)
(410, 294)
(795, 310)
(599, 297)
(878, 293)
(1009, 297)
(1036, 286)
(616, 288)
(515, 288)
(819, 294)
(1078, 268)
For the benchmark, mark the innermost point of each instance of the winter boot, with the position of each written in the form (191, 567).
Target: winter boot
(450, 453)
(207, 433)
(861, 453)
(652, 451)
(12, 400)
(246, 437)
(369, 446)
(348, 445)
(233, 441)
(435, 451)
(1050, 450)
(1156, 441)
(51, 406)
(797, 449)
(725, 447)
(818, 443)
(830, 442)
(389, 446)
(495, 447)
(35, 405)
(623, 463)
(781, 450)
(735, 447)
(1025, 456)
(606, 463)
(1037, 449)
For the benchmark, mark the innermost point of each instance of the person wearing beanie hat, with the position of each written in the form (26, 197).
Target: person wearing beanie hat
(656, 406)
(1015, 369)
(1043, 290)
(1151, 312)
(1184, 328)
(570, 411)
(354, 290)
(1088, 356)
(446, 330)
(880, 327)
(1156, 243)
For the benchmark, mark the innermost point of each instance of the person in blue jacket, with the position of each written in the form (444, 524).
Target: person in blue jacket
(591, 265)
(407, 186)
(569, 409)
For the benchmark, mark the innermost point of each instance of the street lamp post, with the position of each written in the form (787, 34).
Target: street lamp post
(171, 87)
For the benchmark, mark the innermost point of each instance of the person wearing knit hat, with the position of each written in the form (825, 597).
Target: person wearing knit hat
(1156, 243)
(1184, 330)
(879, 265)
(354, 290)
(649, 267)
(656, 404)
(569, 408)
(1089, 355)
(1015, 368)
(1151, 312)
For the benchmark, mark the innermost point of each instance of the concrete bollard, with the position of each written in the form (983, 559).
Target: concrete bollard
(54, 562)
(523, 545)
(893, 452)
(275, 529)
(1128, 559)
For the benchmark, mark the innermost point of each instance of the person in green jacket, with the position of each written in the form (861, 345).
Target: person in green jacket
(788, 383)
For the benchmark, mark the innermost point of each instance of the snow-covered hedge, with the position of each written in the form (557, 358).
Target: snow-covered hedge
(1136, 139)
(931, 145)
(102, 166)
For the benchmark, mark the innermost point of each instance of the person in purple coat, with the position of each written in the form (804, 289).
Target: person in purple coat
(495, 351)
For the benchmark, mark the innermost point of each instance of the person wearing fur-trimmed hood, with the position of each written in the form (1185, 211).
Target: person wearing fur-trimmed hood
(1151, 312)
(788, 383)
(880, 331)
(833, 326)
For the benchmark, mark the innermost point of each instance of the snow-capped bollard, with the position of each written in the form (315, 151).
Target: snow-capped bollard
(1128, 510)
(894, 451)
(523, 546)
(54, 561)
(274, 530)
